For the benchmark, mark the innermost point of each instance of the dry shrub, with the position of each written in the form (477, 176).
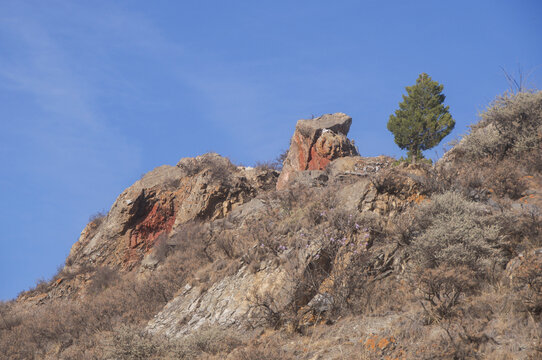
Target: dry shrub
(42, 286)
(225, 241)
(443, 287)
(252, 352)
(8, 318)
(455, 250)
(229, 239)
(217, 167)
(292, 197)
(484, 178)
(505, 179)
(275, 164)
(103, 278)
(129, 342)
(266, 349)
(403, 180)
(97, 218)
(161, 248)
(500, 150)
(268, 165)
(341, 221)
(481, 142)
(213, 340)
(522, 229)
(528, 284)
(451, 230)
(192, 241)
(532, 161)
(267, 310)
(351, 286)
(511, 125)
(60, 324)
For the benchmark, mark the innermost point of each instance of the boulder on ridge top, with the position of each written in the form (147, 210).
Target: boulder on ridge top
(315, 143)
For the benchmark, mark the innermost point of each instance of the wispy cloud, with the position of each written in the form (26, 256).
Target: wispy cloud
(66, 126)
(40, 68)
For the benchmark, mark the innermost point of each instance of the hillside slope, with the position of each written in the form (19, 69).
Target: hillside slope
(337, 256)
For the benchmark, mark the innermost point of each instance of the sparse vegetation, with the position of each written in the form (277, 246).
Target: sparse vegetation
(425, 262)
(217, 167)
(98, 217)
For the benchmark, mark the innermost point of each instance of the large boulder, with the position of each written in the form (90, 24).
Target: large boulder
(315, 143)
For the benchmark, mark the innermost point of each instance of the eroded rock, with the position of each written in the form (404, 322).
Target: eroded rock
(315, 144)
(232, 302)
(206, 187)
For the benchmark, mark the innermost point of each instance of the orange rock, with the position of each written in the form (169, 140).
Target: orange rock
(315, 144)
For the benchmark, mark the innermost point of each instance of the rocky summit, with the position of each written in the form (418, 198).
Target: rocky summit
(334, 256)
(315, 143)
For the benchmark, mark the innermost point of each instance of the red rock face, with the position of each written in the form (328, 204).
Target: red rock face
(317, 162)
(158, 220)
(303, 144)
(315, 144)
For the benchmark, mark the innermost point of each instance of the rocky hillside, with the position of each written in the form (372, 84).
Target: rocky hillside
(333, 256)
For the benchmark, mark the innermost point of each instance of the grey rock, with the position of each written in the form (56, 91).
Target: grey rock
(338, 123)
(229, 303)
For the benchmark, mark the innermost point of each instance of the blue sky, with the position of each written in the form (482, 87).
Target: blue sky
(94, 94)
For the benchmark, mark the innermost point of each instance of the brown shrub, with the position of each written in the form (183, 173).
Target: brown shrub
(213, 340)
(267, 349)
(442, 289)
(217, 167)
(103, 278)
(528, 284)
(480, 180)
(268, 165)
(98, 217)
(511, 125)
(451, 230)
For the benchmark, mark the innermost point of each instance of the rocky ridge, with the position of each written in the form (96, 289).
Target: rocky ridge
(335, 243)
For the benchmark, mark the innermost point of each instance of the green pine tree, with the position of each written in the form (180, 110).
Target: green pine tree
(422, 120)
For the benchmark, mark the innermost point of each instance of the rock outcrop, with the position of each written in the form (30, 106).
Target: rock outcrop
(239, 301)
(205, 188)
(315, 143)
(345, 262)
(229, 303)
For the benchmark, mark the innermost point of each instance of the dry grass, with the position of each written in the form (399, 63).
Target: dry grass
(428, 283)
